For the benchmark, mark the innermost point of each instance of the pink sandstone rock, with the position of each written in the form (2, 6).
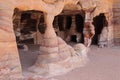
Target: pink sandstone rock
(9, 59)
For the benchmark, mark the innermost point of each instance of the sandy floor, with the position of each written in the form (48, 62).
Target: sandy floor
(104, 64)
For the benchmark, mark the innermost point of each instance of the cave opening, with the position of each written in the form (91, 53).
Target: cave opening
(99, 23)
(26, 24)
(70, 26)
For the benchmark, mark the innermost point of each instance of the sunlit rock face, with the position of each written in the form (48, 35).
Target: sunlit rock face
(10, 68)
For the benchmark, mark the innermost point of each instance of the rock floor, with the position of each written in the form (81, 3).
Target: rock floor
(104, 64)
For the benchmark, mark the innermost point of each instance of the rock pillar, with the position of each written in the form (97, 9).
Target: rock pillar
(72, 29)
(10, 68)
(88, 30)
(56, 57)
(109, 17)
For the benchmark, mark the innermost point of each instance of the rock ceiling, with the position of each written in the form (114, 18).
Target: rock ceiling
(100, 6)
(94, 6)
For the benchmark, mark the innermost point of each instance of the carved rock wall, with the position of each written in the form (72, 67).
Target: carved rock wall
(10, 68)
(116, 21)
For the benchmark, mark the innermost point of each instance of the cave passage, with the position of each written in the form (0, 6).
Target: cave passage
(99, 22)
(64, 22)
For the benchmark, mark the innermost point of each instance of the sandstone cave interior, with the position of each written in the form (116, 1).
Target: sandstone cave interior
(26, 25)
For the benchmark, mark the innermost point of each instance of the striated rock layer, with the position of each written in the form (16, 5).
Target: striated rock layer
(10, 68)
(59, 59)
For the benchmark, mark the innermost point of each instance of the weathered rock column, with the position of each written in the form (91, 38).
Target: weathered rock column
(10, 68)
(109, 17)
(48, 47)
(72, 29)
(62, 33)
(56, 57)
(88, 30)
